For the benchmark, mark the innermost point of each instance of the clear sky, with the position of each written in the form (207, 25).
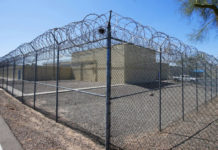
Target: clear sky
(23, 20)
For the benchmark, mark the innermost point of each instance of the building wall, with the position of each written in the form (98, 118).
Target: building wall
(140, 65)
(18, 72)
(91, 65)
(130, 64)
(165, 71)
(47, 73)
(43, 73)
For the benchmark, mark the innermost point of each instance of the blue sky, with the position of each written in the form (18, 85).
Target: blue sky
(23, 20)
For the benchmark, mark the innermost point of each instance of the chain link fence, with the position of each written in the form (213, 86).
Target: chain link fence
(111, 78)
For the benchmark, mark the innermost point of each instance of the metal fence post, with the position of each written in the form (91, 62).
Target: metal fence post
(3, 76)
(183, 108)
(14, 69)
(35, 79)
(211, 81)
(205, 82)
(23, 70)
(216, 80)
(196, 82)
(57, 82)
(53, 73)
(108, 90)
(160, 91)
(7, 75)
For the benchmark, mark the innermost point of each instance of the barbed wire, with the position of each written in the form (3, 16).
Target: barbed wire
(90, 33)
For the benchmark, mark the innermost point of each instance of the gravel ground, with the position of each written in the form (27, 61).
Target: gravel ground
(42, 87)
(36, 132)
(199, 131)
(134, 108)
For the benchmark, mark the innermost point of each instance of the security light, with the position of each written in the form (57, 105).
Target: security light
(101, 30)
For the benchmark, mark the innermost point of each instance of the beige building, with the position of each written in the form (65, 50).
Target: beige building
(130, 64)
(44, 72)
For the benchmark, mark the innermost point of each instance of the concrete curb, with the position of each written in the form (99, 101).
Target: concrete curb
(7, 139)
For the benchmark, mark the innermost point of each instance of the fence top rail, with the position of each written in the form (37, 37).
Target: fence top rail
(90, 32)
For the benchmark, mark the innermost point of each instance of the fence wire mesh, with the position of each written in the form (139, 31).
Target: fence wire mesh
(114, 79)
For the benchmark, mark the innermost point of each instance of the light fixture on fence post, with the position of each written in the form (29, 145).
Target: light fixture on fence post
(101, 30)
(108, 85)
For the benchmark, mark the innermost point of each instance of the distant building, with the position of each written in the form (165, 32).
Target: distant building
(130, 64)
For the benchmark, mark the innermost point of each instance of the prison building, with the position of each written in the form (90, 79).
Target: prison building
(44, 72)
(130, 64)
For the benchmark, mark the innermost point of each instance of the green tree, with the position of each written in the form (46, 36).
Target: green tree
(208, 12)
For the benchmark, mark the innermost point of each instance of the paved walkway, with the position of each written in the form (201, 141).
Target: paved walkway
(7, 139)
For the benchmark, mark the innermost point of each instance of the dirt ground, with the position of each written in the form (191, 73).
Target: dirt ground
(36, 132)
